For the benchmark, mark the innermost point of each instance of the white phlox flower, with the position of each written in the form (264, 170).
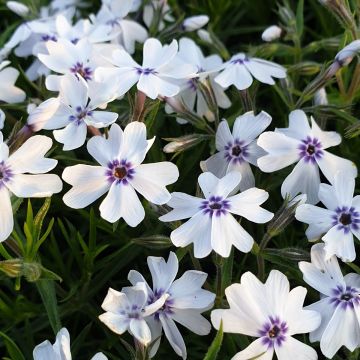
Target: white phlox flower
(23, 174)
(212, 225)
(60, 350)
(76, 111)
(185, 301)
(159, 73)
(127, 32)
(120, 173)
(339, 222)
(127, 310)
(190, 94)
(8, 91)
(270, 312)
(339, 304)
(241, 69)
(237, 150)
(304, 145)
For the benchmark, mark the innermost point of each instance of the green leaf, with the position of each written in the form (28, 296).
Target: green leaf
(300, 18)
(215, 346)
(39, 218)
(12, 348)
(47, 292)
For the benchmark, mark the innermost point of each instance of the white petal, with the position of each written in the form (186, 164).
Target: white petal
(74, 91)
(196, 230)
(310, 214)
(247, 203)
(115, 322)
(153, 86)
(256, 350)
(327, 138)
(304, 179)
(43, 185)
(155, 54)
(140, 330)
(247, 176)
(173, 335)
(184, 206)
(122, 202)
(226, 184)
(72, 136)
(327, 196)
(225, 232)
(344, 185)
(114, 301)
(62, 344)
(248, 126)
(99, 356)
(44, 351)
(6, 214)
(192, 320)
(208, 183)
(216, 164)
(283, 151)
(150, 180)
(277, 291)
(163, 273)
(89, 183)
(296, 350)
(8, 92)
(234, 74)
(223, 135)
(106, 150)
(330, 164)
(299, 127)
(100, 119)
(30, 156)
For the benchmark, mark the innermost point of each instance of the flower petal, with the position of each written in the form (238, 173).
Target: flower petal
(140, 329)
(223, 135)
(256, 350)
(6, 214)
(296, 350)
(192, 320)
(72, 136)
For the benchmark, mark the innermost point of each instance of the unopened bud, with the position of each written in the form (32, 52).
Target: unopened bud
(345, 56)
(12, 268)
(153, 242)
(271, 33)
(182, 143)
(320, 97)
(18, 8)
(205, 36)
(195, 22)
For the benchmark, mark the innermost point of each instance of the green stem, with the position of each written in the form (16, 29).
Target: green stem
(219, 263)
(260, 259)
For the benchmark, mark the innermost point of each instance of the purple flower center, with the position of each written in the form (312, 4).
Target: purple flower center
(131, 312)
(145, 71)
(236, 152)
(310, 149)
(346, 297)
(81, 114)
(215, 205)
(5, 173)
(84, 71)
(120, 171)
(166, 309)
(48, 37)
(273, 332)
(347, 218)
(240, 61)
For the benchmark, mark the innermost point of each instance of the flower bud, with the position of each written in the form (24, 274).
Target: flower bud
(18, 8)
(195, 22)
(271, 33)
(345, 56)
(205, 36)
(12, 268)
(320, 97)
(182, 143)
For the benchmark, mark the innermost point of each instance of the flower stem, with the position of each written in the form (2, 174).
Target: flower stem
(260, 259)
(138, 113)
(219, 263)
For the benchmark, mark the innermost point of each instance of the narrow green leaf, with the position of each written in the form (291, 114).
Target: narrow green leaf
(47, 292)
(300, 18)
(215, 346)
(12, 348)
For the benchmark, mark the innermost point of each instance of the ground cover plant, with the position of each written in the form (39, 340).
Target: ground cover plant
(179, 179)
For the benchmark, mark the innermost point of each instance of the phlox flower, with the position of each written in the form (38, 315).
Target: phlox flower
(270, 312)
(120, 173)
(127, 310)
(76, 111)
(159, 73)
(304, 145)
(22, 174)
(8, 91)
(339, 222)
(241, 69)
(212, 225)
(190, 94)
(185, 301)
(339, 302)
(60, 350)
(237, 150)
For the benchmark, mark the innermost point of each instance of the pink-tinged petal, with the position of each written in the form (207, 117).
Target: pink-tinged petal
(303, 179)
(247, 127)
(282, 151)
(163, 272)
(72, 136)
(299, 127)
(296, 350)
(225, 232)
(74, 91)
(43, 185)
(30, 156)
(106, 150)
(298, 320)
(184, 206)
(223, 135)
(172, 333)
(196, 230)
(192, 320)
(6, 214)
(339, 243)
(330, 164)
(89, 183)
(122, 202)
(140, 330)
(150, 180)
(247, 203)
(256, 350)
